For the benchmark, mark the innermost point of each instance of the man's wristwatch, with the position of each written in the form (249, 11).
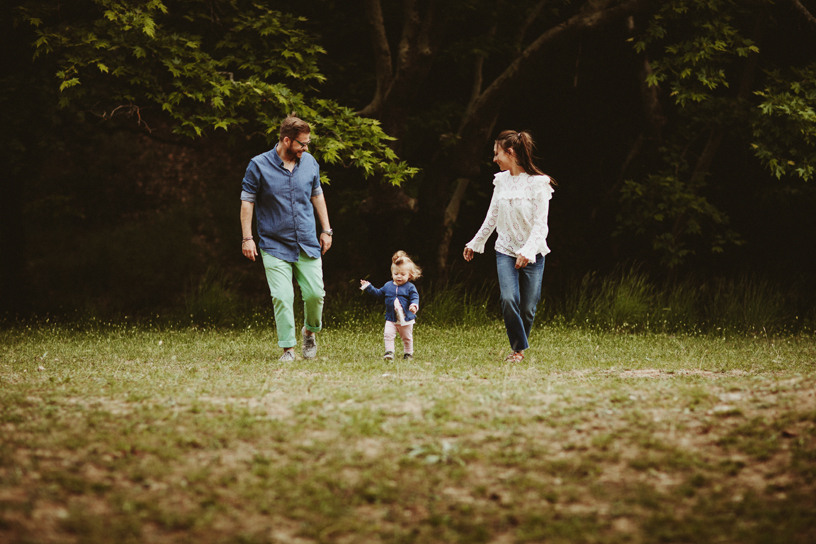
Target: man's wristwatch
(330, 232)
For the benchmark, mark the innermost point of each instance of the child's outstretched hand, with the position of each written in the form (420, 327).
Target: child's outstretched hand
(364, 284)
(413, 308)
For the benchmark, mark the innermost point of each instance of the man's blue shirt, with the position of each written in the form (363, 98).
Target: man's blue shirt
(284, 212)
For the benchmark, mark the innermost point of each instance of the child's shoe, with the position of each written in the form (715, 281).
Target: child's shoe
(408, 356)
(389, 356)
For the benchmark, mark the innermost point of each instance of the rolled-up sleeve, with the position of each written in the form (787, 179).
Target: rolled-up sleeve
(317, 188)
(249, 187)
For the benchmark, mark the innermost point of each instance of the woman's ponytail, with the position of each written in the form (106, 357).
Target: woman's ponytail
(523, 145)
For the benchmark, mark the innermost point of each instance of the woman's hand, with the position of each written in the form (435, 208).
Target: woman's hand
(468, 254)
(413, 308)
(521, 262)
(364, 284)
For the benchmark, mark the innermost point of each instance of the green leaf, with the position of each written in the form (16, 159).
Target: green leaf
(68, 83)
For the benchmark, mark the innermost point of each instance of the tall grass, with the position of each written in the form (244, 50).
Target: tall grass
(461, 304)
(748, 304)
(620, 301)
(626, 300)
(211, 299)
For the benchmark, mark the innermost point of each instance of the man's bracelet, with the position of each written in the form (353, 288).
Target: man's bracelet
(246, 239)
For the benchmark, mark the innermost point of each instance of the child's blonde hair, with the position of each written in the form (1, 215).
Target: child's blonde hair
(401, 258)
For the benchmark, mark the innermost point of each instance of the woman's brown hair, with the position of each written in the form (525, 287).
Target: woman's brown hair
(522, 145)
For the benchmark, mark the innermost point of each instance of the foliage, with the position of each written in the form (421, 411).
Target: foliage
(785, 130)
(672, 211)
(699, 50)
(700, 42)
(207, 66)
(784, 122)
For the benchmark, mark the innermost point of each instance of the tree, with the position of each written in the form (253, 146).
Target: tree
(710, 55)
(207, 65)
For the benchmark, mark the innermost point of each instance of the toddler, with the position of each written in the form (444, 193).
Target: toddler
(401, 303)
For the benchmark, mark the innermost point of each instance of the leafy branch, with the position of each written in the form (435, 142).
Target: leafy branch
(207, 65)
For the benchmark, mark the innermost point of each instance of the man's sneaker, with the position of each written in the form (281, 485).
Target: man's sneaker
(389, 356)
(309, 345)
(288, 356)
(408, 356)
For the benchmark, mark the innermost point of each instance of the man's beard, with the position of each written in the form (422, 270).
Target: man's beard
(290, 154)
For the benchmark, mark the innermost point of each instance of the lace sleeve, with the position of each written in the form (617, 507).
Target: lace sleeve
(478, 242)
(537, 241)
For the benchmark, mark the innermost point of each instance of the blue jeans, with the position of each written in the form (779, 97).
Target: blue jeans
(520, 293)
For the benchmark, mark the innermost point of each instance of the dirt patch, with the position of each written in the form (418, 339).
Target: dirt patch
(271, 405)
(370, 448)
(106, 404)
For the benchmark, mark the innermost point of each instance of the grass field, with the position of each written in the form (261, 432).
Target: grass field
(121, 433)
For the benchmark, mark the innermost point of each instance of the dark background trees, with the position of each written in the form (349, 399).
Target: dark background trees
(122, 213)
(668, 169)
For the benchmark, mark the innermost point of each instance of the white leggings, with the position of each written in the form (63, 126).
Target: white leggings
(406, 332)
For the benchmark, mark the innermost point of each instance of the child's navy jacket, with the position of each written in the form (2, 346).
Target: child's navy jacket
(407, 294)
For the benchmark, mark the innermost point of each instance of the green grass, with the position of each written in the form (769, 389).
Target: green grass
(146, 433)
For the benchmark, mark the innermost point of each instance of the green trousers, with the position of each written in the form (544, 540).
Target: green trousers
(309, 274)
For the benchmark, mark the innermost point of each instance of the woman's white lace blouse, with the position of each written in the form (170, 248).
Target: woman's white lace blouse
(518, 212)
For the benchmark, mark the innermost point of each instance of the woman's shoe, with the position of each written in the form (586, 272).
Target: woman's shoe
(389, 356)
(515, 357)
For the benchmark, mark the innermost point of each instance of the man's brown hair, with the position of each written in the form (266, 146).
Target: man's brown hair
(292, 127)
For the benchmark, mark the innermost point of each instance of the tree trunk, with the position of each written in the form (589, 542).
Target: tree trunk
(448, 223)
(387, 209)
(803, 12)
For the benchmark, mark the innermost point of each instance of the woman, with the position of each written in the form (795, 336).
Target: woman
(518, 211)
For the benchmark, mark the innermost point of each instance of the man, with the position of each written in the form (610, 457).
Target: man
(282, 187)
